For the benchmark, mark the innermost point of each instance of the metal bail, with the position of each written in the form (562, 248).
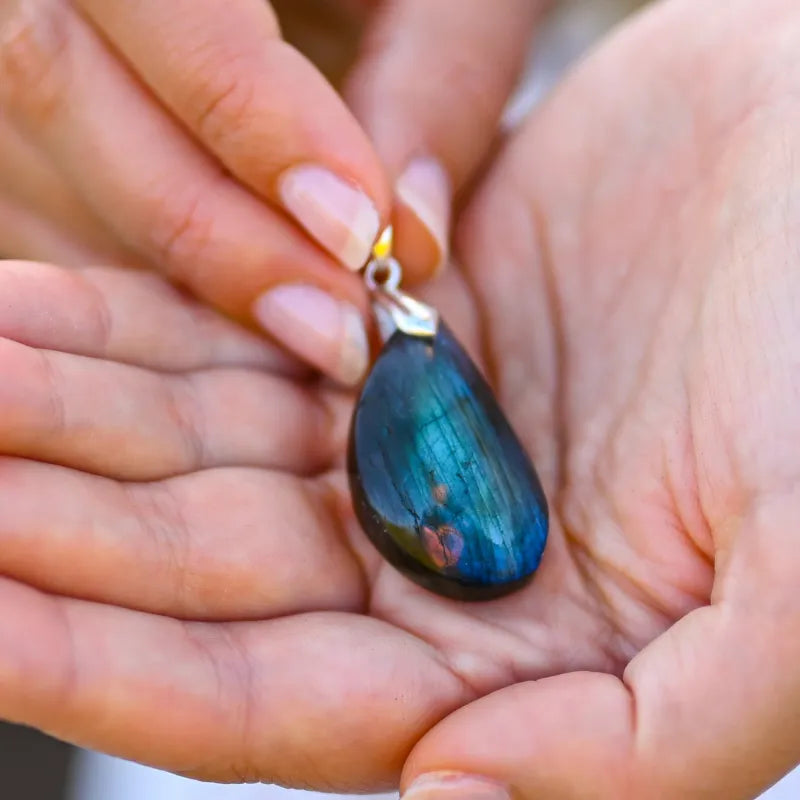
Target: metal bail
(394, 309)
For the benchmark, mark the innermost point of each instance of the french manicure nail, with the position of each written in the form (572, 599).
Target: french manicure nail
(336, 213)
(322, 330)
(424, 188)
(455, 786)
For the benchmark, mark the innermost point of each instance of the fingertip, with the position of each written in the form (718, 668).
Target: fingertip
(323, 330)
(337, 214)
(423, 195)
(455, 786)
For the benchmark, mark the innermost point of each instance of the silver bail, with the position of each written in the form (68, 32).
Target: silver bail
(394, 309)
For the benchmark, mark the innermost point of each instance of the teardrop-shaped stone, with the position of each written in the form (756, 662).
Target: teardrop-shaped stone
(440, 482)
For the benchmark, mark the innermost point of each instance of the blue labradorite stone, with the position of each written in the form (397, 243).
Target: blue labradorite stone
(440, 483)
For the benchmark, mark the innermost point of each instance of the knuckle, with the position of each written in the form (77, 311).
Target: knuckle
(226, 108)
(182, 232)
(32, 397)
(220, 99)
(34, 65)
(160, 515)
(186, 413)
(231, 668)
(53, 390)
(97, 312)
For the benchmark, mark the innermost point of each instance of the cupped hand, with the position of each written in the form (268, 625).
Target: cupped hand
(191, 138)
(184, 583)
(635, 259)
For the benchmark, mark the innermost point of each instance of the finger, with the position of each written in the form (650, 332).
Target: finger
(165, 198)
(25, 234)
(291, 701)
(708, 710)
(430, 89)
(219, 544)
(127, 316)
(260, 107)
(126, 422)
(60, 222)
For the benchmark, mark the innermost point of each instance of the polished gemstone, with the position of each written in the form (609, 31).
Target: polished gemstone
(440, 482)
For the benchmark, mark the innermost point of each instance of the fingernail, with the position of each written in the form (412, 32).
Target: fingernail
(424, 188)
(322, 330)
(336, 213)
(455, 786)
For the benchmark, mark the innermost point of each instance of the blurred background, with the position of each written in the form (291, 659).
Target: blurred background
(36, 767)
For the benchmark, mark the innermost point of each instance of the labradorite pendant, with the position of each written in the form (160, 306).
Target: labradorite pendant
(440, 482)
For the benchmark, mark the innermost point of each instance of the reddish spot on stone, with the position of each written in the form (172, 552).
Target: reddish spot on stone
(443, 544)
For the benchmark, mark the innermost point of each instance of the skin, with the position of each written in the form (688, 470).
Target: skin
(194, 592)
(212, 108)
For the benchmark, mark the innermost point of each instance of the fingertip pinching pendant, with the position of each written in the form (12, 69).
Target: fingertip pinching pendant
(440, 483)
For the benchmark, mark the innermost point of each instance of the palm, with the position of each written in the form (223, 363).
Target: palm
(628, 270)
(599, 281)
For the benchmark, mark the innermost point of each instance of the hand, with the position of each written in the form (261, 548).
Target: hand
(189, 137)
(633, 286)
(184, 583)
(635, 259)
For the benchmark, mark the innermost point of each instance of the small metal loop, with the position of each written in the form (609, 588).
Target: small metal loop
(394, 309)
(376, 266)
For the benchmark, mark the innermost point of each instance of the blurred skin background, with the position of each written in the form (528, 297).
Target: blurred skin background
(35, 767)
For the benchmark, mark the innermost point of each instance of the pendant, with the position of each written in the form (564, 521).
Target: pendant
(440, 483)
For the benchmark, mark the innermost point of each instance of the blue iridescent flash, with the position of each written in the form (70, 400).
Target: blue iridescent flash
(440, 482)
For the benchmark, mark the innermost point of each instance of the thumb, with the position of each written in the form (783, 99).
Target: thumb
(429, 89)
(711, 709)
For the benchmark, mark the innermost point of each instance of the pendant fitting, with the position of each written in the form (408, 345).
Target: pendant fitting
(394, 309)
